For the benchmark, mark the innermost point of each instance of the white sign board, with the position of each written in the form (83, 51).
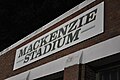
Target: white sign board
(84, 26)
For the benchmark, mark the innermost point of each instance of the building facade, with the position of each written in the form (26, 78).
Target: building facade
(81, 44)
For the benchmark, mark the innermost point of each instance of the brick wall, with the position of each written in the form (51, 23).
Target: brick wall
(112, 29)
(89, 73)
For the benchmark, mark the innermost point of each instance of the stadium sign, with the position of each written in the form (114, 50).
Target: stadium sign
(82, 27)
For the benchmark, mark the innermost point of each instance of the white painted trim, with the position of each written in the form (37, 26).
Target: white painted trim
(101, 50)
(21, 76)
(66, 14)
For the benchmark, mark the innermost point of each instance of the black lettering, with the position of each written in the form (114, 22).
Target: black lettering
(43, 41)
(39, 53)
(54, 45)
(62, 31)
(73, 36)
(53, 36)
(47, 48)
(21, 53)
(29, 48)
(91, 16)
(72, 26)
(81, 21)
(61, 42)
(33, 54)
(36, 44)
(25, 49)
(26, 58)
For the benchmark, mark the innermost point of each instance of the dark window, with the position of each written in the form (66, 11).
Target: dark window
(109, 74)
(56, 76)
